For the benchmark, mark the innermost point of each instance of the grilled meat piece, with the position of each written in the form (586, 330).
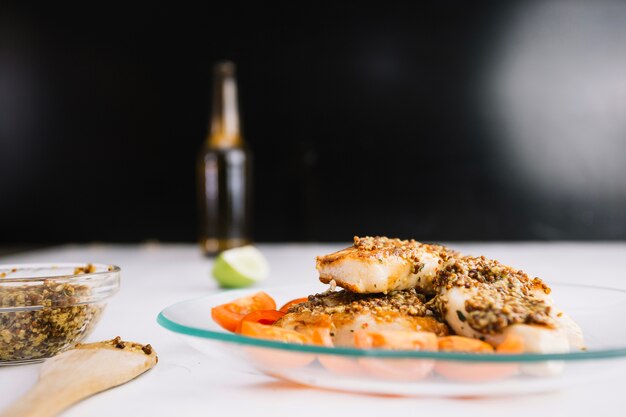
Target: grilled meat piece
(381, 265)
(481, 298)
(345, 312)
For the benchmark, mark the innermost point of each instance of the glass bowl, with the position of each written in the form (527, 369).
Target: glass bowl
(48, 308)
(395, 372)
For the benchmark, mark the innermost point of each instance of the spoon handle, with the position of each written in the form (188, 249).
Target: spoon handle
(80, 373)
(46, 399)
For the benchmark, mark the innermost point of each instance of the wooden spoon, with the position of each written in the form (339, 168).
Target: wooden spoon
(81, 372)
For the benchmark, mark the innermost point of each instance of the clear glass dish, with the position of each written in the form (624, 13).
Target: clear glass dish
(48, 308)
(600, 312)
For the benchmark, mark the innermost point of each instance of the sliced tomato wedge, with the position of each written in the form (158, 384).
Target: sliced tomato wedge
(292, 303)
(397, 340)
(341, 365)
(476, 372)
(321, 336)
(261, 317)
(264, 331)
(463, 344)
(230, 314)
(337, 364)
(271, 359)
(397, 369)
(511, 344)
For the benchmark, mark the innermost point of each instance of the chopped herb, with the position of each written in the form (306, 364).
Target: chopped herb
(461, 315)
(60, 323)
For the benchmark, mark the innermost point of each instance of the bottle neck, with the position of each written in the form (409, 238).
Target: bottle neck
(225, 126)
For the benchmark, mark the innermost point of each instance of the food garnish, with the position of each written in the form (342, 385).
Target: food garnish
(229, 315)
(61, 322)
(240, 267)
(406, 295)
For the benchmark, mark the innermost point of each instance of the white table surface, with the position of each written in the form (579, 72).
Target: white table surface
(186, 383)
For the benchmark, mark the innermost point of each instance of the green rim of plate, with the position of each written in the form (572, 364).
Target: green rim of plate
(395, 354)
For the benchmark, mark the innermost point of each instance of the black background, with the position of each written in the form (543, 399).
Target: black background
(362, 120)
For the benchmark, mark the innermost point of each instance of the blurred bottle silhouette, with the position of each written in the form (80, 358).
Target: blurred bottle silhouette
(224, 171)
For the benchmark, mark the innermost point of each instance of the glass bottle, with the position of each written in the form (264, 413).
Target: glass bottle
(224, 171)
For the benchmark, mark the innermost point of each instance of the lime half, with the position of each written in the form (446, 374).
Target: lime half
(240, 267)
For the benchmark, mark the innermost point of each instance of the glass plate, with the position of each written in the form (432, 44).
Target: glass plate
(599, 311)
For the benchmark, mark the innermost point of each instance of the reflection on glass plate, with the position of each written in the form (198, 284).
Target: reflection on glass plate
(395, 372)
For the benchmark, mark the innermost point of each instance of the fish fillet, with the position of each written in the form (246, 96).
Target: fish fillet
(475, 296)
(481, 298)
(345, 312)
(381, 265)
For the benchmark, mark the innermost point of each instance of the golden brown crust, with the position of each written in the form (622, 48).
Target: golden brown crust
(430, 324)
(504, 296)
(407, 302)
(378, 248)
(339, 308)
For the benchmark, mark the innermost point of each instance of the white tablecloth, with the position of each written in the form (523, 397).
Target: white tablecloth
(186, 383)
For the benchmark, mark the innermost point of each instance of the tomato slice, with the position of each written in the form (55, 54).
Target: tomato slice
(511, 344)
(262, 317)
(264, 331)
(476, 372)
(397, 340)
(397, 369)
(292, 303)
(334, 363)
(341, 365)
(321, 336)
(463, 344)
(230, 314)
(271, 359)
